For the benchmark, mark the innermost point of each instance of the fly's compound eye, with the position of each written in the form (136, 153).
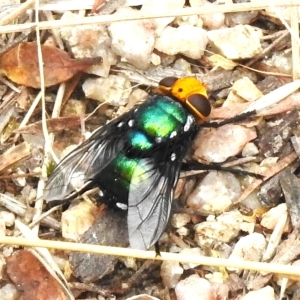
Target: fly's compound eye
(200, 105)
(168, 82)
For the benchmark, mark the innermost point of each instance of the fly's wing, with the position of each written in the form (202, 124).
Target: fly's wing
(78, 169)
(149, 202)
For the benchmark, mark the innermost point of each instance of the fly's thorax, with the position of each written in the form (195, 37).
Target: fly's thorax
(162, 119)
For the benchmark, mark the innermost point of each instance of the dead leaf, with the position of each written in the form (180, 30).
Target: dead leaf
(222, 62)
(32, 278)
(20, 64)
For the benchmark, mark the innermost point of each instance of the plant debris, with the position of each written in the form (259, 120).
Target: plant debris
(245, 53)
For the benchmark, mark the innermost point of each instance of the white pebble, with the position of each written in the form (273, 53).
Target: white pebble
(114, 89)
(159, 5)
(77, 220)
(250, 149)
(186, 39)
(89, 41)
(8, 218)
(239, 42)
(212, 145)
(170, 273)
(195, 288)
(266, 293)
(179, 220)
(9, 292)
(270, 219)
(191, 252)
(133, 40)
(215, 193)
(224, 228)
(250, 247)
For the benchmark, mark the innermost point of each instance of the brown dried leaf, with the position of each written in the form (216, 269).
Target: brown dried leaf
(32, 278)
(20, 64)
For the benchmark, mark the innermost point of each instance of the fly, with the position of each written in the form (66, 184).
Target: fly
(136, 159)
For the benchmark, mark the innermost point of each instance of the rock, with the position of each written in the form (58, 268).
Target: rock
(77, 220)
(186, 39)
(266, 293)
(239, 42)
(282, 62)
(9, 292)
(191, 252)
(216, 145)
(242, 90)
(133, 40)
(114, 89)
(215, 193)
(89, 41)
(74, 107)
(8, 218)
(152, 6)
(195, 288)
(224, 228)
(250, 248)
(250, 149)
(236, 18)
(270, 218)
(180, 220)
(170, 273)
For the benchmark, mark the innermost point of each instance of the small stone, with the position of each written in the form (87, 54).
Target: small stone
(224, 228)
(77, 220)
(133, 40)
(170, 273)
(89, 41)
(270, 218)
(8, 218)
(191, 252)
(73, 108)
(215, 193)
(180, 220)
(129, 262)
(239, 42)
(182, 65)
(142, 297)
(250, 149)
(195, 288)
(250, 247)
(193, 20)
(242, 90)
(114, 89)
(158, 5)
(212, 21)
(237, 18)
(183, 231)
(2, 228)
(266, 293)
(281, 61)
(216, 145)
(9, 292)
(19, 181)
(186, 39)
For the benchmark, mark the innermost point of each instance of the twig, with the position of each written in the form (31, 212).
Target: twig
(17, 12)
(127, 252)
(187, 11)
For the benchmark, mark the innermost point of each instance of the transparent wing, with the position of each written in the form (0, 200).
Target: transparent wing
(79, 168)
(149, 202)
